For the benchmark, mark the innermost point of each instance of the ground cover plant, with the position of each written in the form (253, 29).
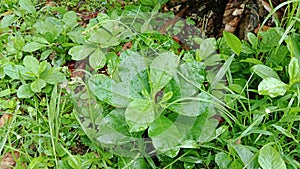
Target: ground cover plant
(115, 84)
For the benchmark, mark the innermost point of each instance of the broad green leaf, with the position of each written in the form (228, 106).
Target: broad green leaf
(245, 155)
(42, 67)
(105, 38)
(252, 39)
(265, 72)
(223, 160)
(164, 134)
(193, 72)
(269, 158)
(50, 28)
(27, 5)
(191, 107)
(233, 42)
(17, 72)
(133, 70)
(132, 63)
(162, 70)
(53, 77)
(293, 70)
(37, 85)
(193, 126)
(76, 36)
(140, 111)
(113, 128)
(38, 162)
(7, 21)
(32, 64)
(270, 38)
(97, 59)
(207, 48)
(12, 71)
(272, 87)
(107, 90)
(70, 19)
(33, 46)
(80, 52)
(5, 92)
(24, 91)
(208, 131)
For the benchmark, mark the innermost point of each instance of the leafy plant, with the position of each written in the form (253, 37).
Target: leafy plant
(38, 75)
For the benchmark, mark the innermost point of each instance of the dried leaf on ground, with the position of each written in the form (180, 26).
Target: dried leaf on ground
(4, 119)
(8, 160)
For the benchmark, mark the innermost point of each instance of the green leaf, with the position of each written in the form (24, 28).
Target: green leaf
(270, 38)
(191, 108)
(207, 48)
(113, 128)
(107, 36)
(42, 67)
(294, 45)
(162, 70)
(107, 90)
(32, 64)
(80, 52)
(294, 73)
(269, 158)
(132, 63)
(27, 5)
(7, 21)
(37, 85)
(97, 59)
(252, 60)
(233, 42)
(70, 19)
(265, 72)
(272, 87)
(285, 132)
(164, 134)
(54, 77)
(17, 72)
(140, 111)
(252, 39)
(223, 160)
(24, 91)
(33, 46)
(5, 92)
(245, 155)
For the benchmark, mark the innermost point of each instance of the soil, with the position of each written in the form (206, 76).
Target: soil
(235, 16)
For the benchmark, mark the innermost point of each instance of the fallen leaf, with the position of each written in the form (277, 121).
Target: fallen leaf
(8, 160)
(4, 119)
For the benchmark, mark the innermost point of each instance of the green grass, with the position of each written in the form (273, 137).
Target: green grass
(237, 104)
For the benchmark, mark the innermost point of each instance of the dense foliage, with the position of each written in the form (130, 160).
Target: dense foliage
(119, 88)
